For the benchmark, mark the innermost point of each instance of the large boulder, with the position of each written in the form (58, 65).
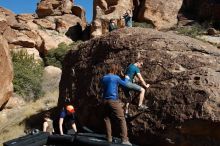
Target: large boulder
(28, 19)
(6, 73)
(51, 40)
(9, 16)
(80, 12)
(45, 23)
(54, 7)
(161, 13)
(51, 79)
(43, 34)
(183, 98)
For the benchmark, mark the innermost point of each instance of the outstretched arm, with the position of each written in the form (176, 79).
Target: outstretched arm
(121, 82)
(142, 81)
(61, 125)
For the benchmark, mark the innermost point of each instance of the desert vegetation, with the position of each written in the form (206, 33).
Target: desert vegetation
(56, 56)
(27, 75)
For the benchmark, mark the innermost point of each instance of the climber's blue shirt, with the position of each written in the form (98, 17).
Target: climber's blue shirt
(110, 84)
(131, 71)
(128, 20)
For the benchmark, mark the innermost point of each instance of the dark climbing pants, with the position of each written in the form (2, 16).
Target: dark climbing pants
(113, 109)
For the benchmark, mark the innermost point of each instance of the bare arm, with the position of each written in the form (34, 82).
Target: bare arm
(61, 125)
(142, 80)
(74, 127)
(45, 125)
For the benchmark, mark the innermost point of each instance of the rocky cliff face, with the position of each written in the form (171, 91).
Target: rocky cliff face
(203, 9)
(55, 22)
(104, 10)
(45, 30)
(162, 14)
(183, 98)
(54, 7)
(6, 73)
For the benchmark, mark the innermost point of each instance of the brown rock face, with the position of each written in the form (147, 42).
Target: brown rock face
(161, 13)
(183, 98)
(6, 73)
(8, 15)
(204, 9)
(104, 10)
(80, 12)
(54, 7)
(43, 34)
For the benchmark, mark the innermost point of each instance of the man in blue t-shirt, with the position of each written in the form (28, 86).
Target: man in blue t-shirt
(67, 118)
(128, 18)
(112, 106)
(131, 72)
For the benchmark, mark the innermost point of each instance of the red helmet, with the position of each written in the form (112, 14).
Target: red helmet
(70, 108)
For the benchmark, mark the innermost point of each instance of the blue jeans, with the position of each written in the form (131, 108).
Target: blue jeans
(133, 86)
(130, 86)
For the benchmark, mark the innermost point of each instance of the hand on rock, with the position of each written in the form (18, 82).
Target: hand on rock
(147, 86)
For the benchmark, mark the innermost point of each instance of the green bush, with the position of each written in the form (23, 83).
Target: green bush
(56, 56)
(192, 31)
(27, 75)
(143, 24)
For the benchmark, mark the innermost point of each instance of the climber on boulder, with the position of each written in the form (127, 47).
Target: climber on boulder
(132, 71)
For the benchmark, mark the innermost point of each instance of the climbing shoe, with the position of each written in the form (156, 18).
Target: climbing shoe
(143, 107)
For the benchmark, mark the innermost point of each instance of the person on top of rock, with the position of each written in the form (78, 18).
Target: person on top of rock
(128, 18)
(112, 25)
(112, 106)
(48, 123)
(67, 119)
(132, 71)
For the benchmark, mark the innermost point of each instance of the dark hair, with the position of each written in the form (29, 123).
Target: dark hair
(112, 19)
(47, 115)
(139, 60)
(113, 68)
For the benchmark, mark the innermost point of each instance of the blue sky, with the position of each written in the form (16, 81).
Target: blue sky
(29, 6)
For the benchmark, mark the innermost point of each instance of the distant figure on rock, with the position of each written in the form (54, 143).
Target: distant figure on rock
(113, 108)
(48, 123)
(128, 18)
(67, 119)
(132, 71)
(112, 25)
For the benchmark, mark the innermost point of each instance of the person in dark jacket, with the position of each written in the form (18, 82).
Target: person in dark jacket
(112, 25)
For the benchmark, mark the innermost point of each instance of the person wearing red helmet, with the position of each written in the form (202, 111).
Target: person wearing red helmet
(67, 119)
